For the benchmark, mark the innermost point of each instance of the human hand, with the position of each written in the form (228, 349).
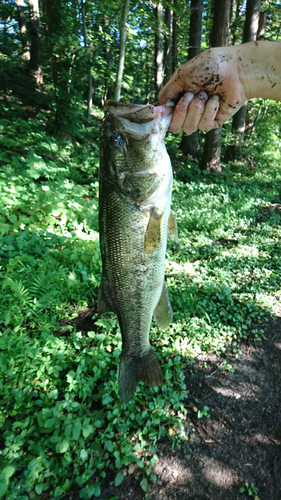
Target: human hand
(210, 89)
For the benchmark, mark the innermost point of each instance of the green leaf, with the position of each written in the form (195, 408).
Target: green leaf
(76, 430)
(3, 488)
(62, 446)
(106, 399)
(153, 477)
(49, 423)
(144, 484)
(7, 472)
(70, 376)
(87, 430)
(119, 478)
(89, 491)
(95, 489)
(109, 446)
(98, 423)
(83, 455)
(55, 439)
(5, 475)
(39, 489)
(138, 448)
(53, 394)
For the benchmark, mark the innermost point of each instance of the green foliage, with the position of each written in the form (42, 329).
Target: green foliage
(251, 490)
(204, 412)
(62, 425)
(63, 428)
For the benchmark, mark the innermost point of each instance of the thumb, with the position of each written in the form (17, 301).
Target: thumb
(171, 91)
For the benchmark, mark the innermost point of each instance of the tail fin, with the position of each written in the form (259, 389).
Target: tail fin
(133, 369)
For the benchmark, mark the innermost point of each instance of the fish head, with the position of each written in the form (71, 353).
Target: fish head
(132, 146)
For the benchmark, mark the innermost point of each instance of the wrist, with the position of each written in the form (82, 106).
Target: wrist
(259, 69)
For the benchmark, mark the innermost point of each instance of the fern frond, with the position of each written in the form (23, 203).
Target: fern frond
(45, 282)
(48, 299)
(18, 289)
(41, 284)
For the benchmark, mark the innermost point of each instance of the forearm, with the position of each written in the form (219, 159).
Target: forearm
(259, 66)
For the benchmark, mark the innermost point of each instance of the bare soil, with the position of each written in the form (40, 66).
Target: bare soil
(239, 443)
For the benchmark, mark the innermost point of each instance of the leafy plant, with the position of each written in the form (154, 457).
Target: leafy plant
(63, 429)
(251, 491)
(204, 412)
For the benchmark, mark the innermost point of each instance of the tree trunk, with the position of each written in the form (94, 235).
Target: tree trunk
(75, 10)
(220, 28)
(159, 55)
(189, 143)
(107, 59)
(90, 92)
(23, 33)
(136, 76)
(35, 53)
(219, 38)
(234, 151)
(252, 119)
(122, 48)
(174, 39)
(47, 29)
(252, 20)
(236, 23)
(168, 44)
(148, 76)
(63, 63)
(232, 8)
(262, 26)
(90, 80)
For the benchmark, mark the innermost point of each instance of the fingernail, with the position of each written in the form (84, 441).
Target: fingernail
(188, 96)
(202, 96)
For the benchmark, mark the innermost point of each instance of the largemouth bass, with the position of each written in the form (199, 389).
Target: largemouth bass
(134, 220)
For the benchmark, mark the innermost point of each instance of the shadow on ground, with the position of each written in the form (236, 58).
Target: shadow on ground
(238, 444)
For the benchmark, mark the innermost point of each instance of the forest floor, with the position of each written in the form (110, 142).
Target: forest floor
(238, 445)
(233, 452)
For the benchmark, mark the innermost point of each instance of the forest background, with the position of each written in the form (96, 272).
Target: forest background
(63, 429)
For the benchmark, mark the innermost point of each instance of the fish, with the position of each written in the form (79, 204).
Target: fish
(135, 188)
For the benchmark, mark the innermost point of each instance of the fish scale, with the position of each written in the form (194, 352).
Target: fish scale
(134, 220)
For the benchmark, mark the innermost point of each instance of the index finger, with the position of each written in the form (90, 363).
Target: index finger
(171, 91)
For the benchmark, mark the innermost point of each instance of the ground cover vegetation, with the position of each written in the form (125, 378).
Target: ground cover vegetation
(63, 426)
(63, 429)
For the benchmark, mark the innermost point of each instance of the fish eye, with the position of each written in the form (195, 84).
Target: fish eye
(117, 139)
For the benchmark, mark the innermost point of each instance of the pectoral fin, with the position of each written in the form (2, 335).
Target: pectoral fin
(152, 237)
(173, 227)
(163, 313)
(103, 305)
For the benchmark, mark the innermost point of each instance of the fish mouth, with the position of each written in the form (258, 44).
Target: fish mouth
(142, 118)
(135, 113)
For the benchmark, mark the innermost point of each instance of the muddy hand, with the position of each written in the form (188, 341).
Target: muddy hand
(209, 90)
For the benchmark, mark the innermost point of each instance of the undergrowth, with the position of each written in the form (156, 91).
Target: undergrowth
(63, 427)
